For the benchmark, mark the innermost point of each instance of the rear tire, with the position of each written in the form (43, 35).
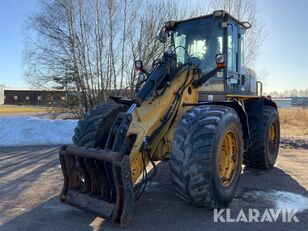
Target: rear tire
(196, 152)
(265, 142)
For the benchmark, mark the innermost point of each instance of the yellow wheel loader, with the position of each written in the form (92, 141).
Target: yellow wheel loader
(198, 108)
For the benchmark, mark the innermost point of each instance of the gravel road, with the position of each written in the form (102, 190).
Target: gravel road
(30, 180)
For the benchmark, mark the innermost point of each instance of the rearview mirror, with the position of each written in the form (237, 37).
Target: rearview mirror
(138, 65)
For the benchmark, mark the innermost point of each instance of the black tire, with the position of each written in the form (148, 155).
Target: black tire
(92, 131)
(194, 159)
(263, 154)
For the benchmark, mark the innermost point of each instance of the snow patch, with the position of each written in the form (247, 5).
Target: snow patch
(284, 200)
(27, 130)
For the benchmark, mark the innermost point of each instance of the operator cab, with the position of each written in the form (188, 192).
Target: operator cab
(210, 42)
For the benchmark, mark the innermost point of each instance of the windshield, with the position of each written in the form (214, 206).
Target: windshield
(202, 40)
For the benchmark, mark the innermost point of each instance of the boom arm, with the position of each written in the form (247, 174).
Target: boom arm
(205, 78)
(156, 78)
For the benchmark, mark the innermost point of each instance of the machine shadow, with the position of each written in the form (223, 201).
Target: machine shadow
(159, 208)
(22, 174)
(274, 179)
(51, 215)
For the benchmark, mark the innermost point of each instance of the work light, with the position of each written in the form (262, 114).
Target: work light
(220, 60)
(219, 13)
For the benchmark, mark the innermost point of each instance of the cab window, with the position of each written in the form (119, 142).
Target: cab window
(232, 49)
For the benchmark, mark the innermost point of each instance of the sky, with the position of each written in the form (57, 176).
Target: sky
(12, 16)
(284, 55)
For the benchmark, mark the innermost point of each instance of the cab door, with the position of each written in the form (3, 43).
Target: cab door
(233, 62)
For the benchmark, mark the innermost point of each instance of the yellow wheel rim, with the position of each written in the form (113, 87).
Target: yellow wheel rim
(272, 138)
(228, 158)
(271, 134)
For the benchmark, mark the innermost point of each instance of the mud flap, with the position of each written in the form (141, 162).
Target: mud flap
(120, 210)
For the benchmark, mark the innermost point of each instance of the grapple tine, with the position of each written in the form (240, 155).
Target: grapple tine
(84, 172)
(65, 175)
(129, 205)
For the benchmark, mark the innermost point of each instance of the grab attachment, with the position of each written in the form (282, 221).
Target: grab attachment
(121, 209)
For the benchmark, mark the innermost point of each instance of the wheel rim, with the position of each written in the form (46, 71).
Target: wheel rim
(272, 138)
(228, 158)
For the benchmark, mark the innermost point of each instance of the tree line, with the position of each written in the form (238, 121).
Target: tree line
(289, 93)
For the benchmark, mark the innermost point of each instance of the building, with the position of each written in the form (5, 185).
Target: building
(300, 101)
(292, 102)
(283, 102)
(14, 96)
(1, 94)
(30, 96)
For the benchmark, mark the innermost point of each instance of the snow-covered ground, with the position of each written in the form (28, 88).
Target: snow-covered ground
(283, 200)
(27, 130)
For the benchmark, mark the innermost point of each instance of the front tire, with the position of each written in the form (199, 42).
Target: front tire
(92, 131)
(206, 156)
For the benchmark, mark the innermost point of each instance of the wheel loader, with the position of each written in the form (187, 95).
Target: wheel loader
(199, 108)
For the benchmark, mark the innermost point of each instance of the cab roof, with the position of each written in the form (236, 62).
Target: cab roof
(218, 14)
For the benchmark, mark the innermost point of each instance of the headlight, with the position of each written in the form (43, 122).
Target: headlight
(220, 58)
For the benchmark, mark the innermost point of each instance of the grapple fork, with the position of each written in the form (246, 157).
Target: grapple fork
(88, 173)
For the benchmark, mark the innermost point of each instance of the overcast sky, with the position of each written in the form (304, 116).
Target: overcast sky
(284, 55)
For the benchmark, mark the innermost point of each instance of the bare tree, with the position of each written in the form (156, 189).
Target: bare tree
(91, 45)
(290, 93)
(123, 51)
